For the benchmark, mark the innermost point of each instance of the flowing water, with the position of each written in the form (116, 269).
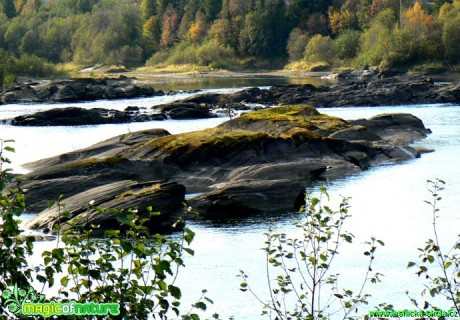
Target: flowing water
(387, 202)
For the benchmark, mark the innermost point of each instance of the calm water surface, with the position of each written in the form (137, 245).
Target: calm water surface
(387, 202)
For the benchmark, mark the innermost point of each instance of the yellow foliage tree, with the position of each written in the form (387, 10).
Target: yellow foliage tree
(221, 31)
(197, 29)
(417, 16)
(339, 21)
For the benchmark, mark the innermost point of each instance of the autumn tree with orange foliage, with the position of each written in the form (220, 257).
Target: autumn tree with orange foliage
(170, 27)
(420, 34)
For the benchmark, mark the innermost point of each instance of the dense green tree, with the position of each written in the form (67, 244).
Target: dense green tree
(148, 8)
(451, 39)
(264, 32)
(376, 42)
(211, 8)
(346, 45)
(188, 18)
(8, 8)
(66, 8)
(106, 35)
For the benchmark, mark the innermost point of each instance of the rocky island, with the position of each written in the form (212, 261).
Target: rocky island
(260, 161)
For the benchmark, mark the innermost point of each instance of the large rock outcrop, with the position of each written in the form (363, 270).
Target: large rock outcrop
(261, 161)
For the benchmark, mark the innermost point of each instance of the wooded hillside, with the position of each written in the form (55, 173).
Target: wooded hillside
(232, 33)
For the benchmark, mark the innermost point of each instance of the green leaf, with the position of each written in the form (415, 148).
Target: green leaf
(64, 281)
(338, 295)
(200, 305)
(175, 291)
(447, 264)
(410, 264)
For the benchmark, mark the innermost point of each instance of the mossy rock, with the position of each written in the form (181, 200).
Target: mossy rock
(281, 119)
(205, 145)
(241, 137)
(294, 124)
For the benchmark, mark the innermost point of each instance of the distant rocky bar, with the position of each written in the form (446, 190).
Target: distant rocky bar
(75, 90)
(355, 89)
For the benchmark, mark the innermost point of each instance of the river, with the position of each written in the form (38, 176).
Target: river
(387, 202)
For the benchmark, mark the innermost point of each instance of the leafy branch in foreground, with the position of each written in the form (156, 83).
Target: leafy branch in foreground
(440, 268)
(304, 287)
(14, 248)
(129, 265)
(135, 268)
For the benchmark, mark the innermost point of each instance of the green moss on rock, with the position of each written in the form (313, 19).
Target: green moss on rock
(296, 124)
(281, 119)
(90, 162)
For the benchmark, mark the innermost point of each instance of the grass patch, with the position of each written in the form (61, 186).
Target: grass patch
(91, 162)
(305, 66)
(140, 193)
(430, 68)
(174, 68)
(116, 69)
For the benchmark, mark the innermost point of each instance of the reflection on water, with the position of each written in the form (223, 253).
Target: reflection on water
(176, 83)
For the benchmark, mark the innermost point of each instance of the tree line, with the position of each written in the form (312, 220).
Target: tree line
(232, 33)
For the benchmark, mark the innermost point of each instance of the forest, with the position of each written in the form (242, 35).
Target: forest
(309, 35)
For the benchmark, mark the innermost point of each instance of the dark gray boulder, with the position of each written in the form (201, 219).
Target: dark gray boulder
(185, 110)
(72, 117)
(166, 198)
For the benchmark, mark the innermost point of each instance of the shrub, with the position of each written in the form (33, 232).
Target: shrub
(210, 53)
(346, 45)
(303, 265)
(439, 265)
(30, 65)
(183, 53)
(216, 55)
(319, 49)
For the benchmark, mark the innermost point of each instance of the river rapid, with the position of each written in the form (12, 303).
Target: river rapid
(386, 202)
